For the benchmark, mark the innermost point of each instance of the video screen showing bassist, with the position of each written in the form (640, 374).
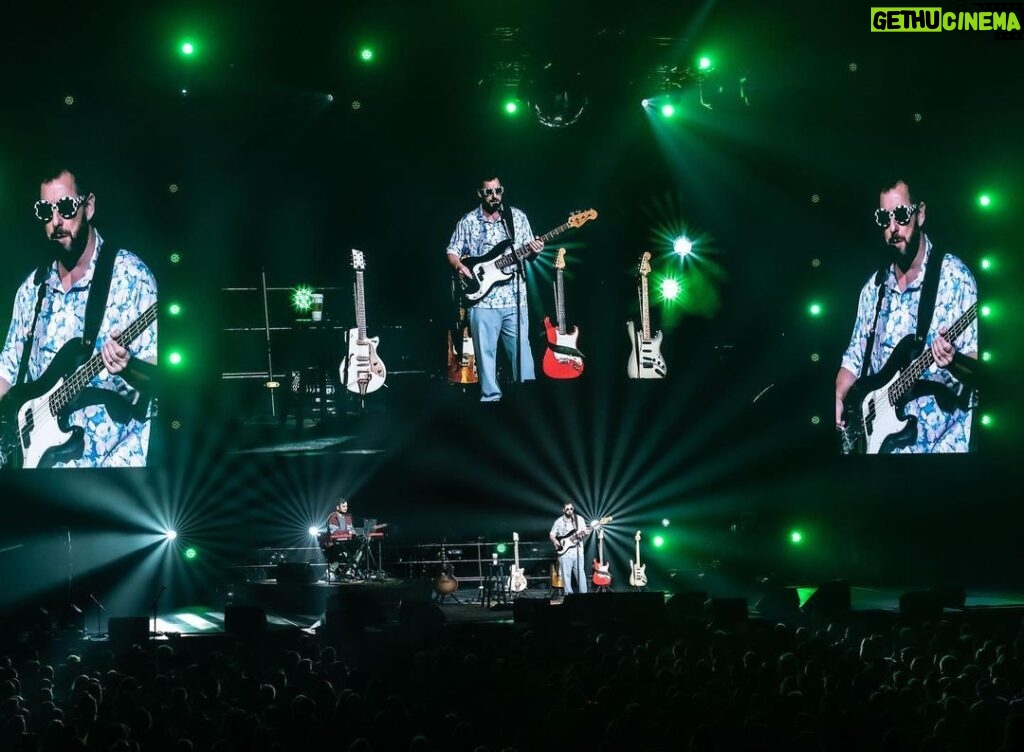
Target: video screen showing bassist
(78, 367)
(907, 380)
(493, 316)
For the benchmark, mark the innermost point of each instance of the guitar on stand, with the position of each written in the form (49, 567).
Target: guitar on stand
(445, 583)
(498, 265)
(562, 360)
(645, 361)
(602, 578)
(461, 356)
(362, 372)
(637, 572)
(516, 576)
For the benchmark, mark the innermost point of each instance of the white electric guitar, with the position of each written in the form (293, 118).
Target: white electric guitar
(645, 361)
(516, 576)
(361, 370)
(637, 571)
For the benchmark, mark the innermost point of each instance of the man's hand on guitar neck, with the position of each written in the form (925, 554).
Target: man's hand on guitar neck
(139, 373)
(536, 246)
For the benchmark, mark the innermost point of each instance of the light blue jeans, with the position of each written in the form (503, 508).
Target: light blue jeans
(572, 561)
(487, 326)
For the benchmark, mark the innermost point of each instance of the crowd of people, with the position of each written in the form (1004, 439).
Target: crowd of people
(865, 683)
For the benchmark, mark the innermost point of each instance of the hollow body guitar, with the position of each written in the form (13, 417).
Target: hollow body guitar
(361, 371)
(461, 355)
(517, 577)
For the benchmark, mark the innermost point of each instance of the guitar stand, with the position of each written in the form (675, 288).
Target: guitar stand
(601, 589)
(441, 598)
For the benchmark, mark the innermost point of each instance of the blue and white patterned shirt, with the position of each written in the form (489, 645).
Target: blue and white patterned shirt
(938, 430)
(108, 443)
(475, 235)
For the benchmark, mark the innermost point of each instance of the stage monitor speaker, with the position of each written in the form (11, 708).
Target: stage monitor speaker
(691, 604)
(244, 620)
(779, 603)
(609, 608)
(726, 611)
(421, 615)
(295, 574)
(128, 630)
(830, 599)
(951, 596)
(921, 604)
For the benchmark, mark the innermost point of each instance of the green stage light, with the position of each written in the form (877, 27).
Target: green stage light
(986, 264)
(187, 48)
(174, 309)
(986, 356)
(805, 593)
(191, 553)
(670, 288)
(704, 63)
(665, 522)
(796, 537)
(366, 54)
(501, 548)
(659, 541)
(302, 298)
(815, 309)
(984, 200)
(986, 310)
(511, 107)
(668, 110)
(987, 420)
(175, 258)
(175, 358)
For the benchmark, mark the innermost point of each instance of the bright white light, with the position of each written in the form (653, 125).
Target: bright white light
(645, 102)
(171, 534)
(313, 530)
(665, 522)
(682, 245)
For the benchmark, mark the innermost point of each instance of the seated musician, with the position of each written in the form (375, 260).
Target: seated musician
(340, 520)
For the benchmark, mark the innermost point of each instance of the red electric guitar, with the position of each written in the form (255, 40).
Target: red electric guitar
(562, 360)
(601, 577)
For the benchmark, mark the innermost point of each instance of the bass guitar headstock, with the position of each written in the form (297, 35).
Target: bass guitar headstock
(581, 218)
(560, 259)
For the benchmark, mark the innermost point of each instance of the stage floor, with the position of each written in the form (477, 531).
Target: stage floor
(201, 619)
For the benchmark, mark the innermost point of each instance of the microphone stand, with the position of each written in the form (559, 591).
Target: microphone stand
(520, 277)
(99, 614)
(155, 602)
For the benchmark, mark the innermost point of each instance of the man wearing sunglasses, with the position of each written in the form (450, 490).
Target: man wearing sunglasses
(887, 312)
(502, 313)
(114, 406)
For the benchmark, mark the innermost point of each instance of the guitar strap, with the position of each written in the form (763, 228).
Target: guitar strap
(563, 350)
(26, 350)
(99, 289)
(929, 293)
(869, 347)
